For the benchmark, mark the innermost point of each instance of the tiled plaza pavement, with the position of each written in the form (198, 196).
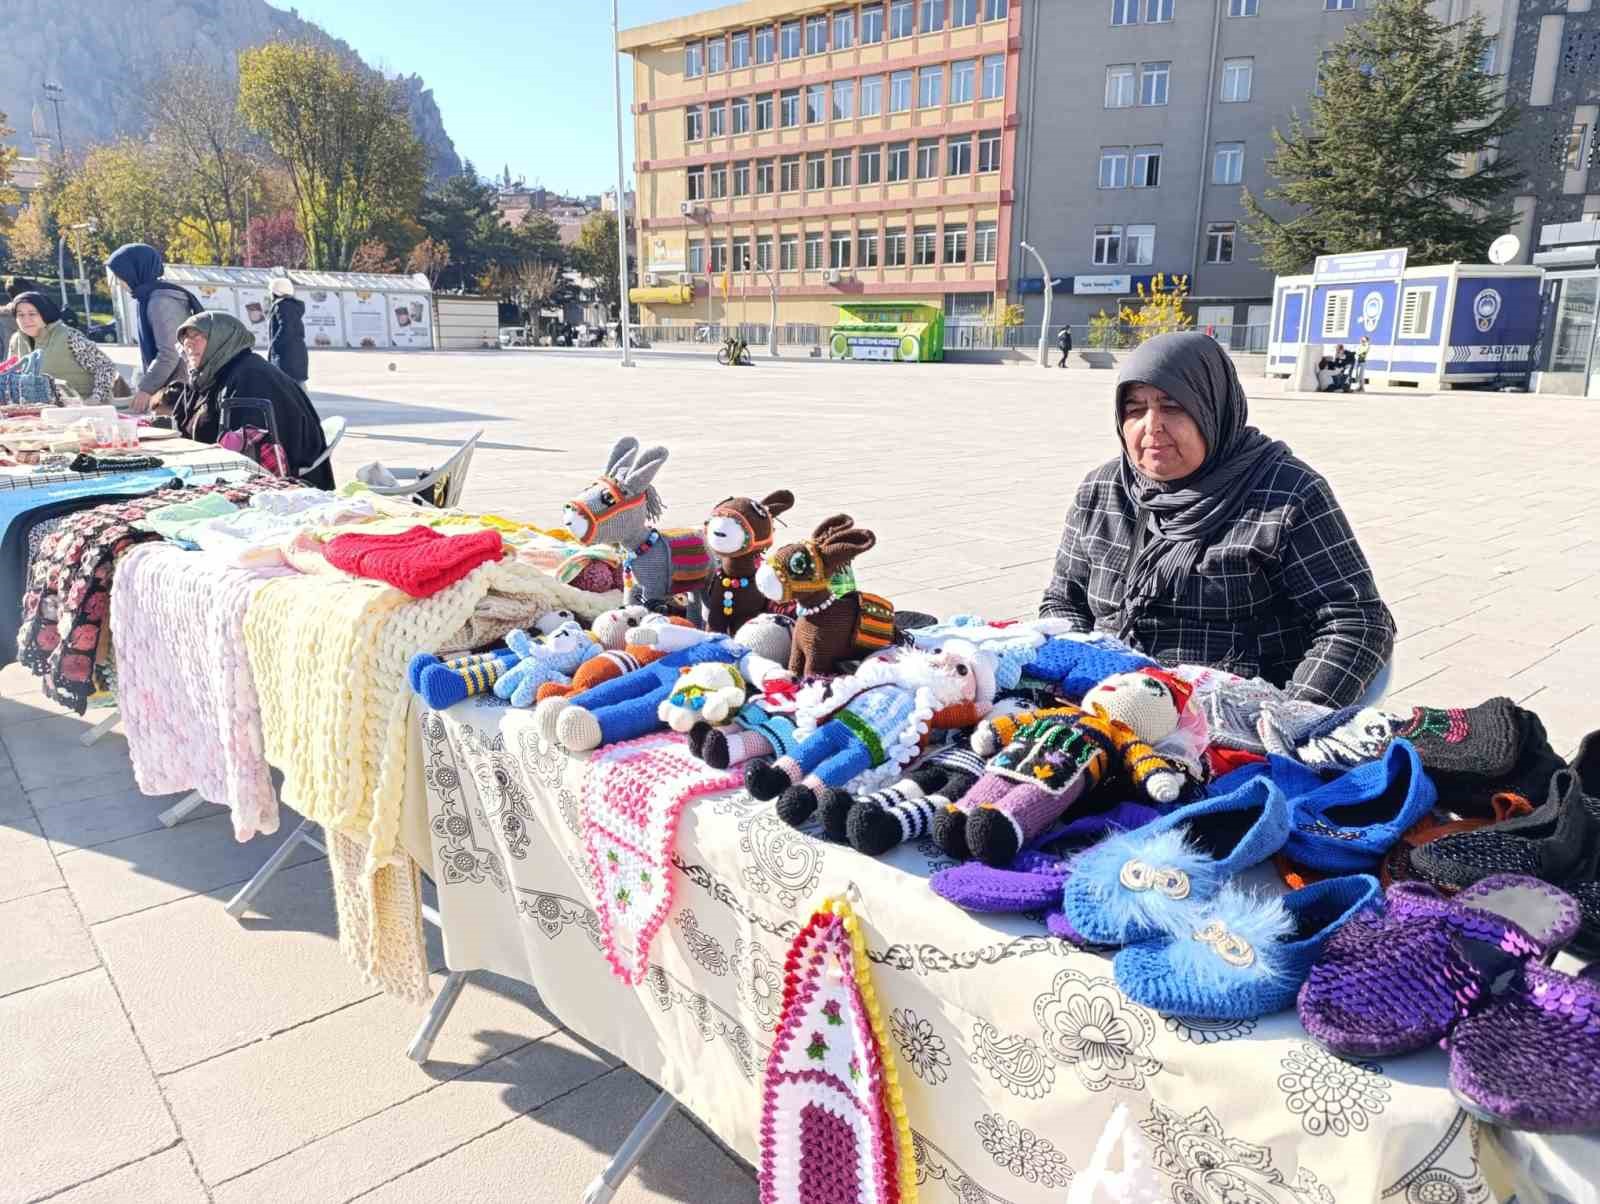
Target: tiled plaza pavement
(156, 1050)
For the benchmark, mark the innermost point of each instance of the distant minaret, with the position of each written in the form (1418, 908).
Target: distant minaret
(42, 141)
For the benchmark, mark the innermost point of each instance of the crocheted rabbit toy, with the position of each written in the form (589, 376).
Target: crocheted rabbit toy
(443, 683)
(738, 534)
(621, 507)
(1043, 761)
(830, 627)
(553, 657)
(863, 729)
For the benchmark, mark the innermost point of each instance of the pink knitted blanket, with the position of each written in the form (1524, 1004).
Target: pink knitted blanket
(633, 795)
(184, 685)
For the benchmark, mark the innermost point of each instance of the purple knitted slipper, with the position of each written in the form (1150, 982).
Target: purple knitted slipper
(1531, 1058)
(1034, 882)
(1395, 983)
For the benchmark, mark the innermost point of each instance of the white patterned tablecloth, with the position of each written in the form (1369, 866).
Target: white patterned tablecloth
(1013, 1047)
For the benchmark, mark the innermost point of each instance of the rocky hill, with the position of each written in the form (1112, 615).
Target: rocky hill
(102, 52)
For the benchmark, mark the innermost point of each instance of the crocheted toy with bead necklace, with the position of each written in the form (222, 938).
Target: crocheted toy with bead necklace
(621, 508)
(1041, 762)
(830, 626)
(632, 798)
(833, 1121)
(739, 533)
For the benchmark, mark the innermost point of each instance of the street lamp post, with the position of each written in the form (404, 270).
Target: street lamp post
(622, 193)
(61, 266)
(772, 327)
(1049, 292)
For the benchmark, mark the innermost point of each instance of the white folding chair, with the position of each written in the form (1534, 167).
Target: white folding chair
(332, 431)
(440, 486)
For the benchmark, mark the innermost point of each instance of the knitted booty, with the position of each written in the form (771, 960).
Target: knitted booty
(1328, 740)
(796, 804)
(445, 683)
(545, 716)
(834, 808)
(981, 888)
(766, 780)
(949, 830)
(1482, 741)
(1471, 793)
(697, 742)
(997, 831)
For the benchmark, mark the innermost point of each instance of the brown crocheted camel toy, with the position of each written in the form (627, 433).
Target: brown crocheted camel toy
(828, 627)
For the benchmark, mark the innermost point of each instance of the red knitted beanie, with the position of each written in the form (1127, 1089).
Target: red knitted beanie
(419, 561)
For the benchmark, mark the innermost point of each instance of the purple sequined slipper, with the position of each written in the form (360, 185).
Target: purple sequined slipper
(1395, 983)
(1530, 1059)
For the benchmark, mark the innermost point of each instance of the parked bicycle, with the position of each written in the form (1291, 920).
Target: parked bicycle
(734, 351)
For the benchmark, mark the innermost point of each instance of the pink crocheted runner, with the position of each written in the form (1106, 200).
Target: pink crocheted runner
(632, 798)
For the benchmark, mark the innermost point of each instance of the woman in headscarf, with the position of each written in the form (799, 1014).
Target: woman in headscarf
(162, 307)
(222, 368)
(68, 356)
(1205, 542)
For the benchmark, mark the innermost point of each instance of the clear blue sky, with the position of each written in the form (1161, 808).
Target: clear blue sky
(526, 84)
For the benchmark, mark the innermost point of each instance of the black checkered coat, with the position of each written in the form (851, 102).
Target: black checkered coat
(1285, 593)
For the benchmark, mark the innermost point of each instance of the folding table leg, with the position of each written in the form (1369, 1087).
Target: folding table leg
(182, 809)
(101, 728)
(631, 1150)
(422, 1044)
(240, 903)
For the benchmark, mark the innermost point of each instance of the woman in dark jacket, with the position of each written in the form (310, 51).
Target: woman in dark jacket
(223, 368)
(287, 331)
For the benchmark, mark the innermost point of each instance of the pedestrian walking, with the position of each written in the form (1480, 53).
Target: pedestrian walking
(1064, 342)
(286, 327)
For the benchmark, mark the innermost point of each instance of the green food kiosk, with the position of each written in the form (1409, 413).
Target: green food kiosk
(908, 331)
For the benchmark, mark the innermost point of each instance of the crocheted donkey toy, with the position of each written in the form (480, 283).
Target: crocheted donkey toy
(621, 508)
(739, 533)
(829, 627)
(1041, 762)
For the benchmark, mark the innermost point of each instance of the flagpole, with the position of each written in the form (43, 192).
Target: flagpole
(622, 192)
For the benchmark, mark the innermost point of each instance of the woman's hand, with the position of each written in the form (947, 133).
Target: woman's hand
(140, 402)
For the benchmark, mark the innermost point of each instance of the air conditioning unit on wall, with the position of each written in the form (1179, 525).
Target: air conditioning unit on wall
(832, 276)
(651, 280)
(689, 208)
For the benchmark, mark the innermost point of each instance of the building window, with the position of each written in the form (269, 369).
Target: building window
(816, 172)
(816, 103)
(813, 250)
(741, 254)
(764, 111)
(902, 18)
(925, 246)
(789, 108)
(894, 248)
(789, 40)
(1156, 11)
(789, 173)
(717, 179)
(844, 30)
(764, 252)
(1119, 86)
(994, 76)
(1227, 165)
(840, 173)
(959, 156)
(694, 124)
(696, 262)
(694, 60)
(1146, 167)
(899, 161)
(739, 45)
(1107, 244)
(766, 175)
(1338, 6)
(1113, 167)
(695, 188)
(871, 95)
(1486, 61)
(764, 44)
(1125, 12)
(1153, 83)
(1416, 312)
(716, 55)
(963, 81)
(955, 244)
(928, 159)
(869, 165)
(719, 257)
(1575, 145)
(844, 99)
(899, 91)
(839, 249)
(871, 24)
(741, 115)
(963, 13)
(932, 16)
(816, 35)
(867, 249)
(989, 151)
(1141, 245)
(1243, 8)
(1236, 75)
(717, 127)
(741, 179)
(930, 87)
(1219, 242)
(788, 252)
(986, 243)
(995, 10)
(1336, 314)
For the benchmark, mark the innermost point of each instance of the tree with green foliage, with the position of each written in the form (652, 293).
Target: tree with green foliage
(9, 196)
(343, 135)
(461, 213)
(595, 255)
(1398, 150)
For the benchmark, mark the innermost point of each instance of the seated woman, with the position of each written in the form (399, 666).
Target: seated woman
(1208, 543)
(222, 367)
(68, 356)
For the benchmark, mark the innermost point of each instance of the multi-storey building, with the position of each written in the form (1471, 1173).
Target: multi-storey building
(830, 151)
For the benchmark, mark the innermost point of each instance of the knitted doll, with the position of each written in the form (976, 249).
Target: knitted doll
(621, 508)
(763, 727)
(443, 683)
(553, 657)
(1041, 762)
(830, 627)
(738, 533)
(864, 728)
(623, 633)
(877, 822)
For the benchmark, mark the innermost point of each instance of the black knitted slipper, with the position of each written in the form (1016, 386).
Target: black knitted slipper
(1470, 794)
(1558, 843)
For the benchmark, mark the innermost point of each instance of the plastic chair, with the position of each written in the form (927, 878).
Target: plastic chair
(1379, 686)
(332, 431)
(441, 487)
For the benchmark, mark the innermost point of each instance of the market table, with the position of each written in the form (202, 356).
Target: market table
(1013, 1047)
